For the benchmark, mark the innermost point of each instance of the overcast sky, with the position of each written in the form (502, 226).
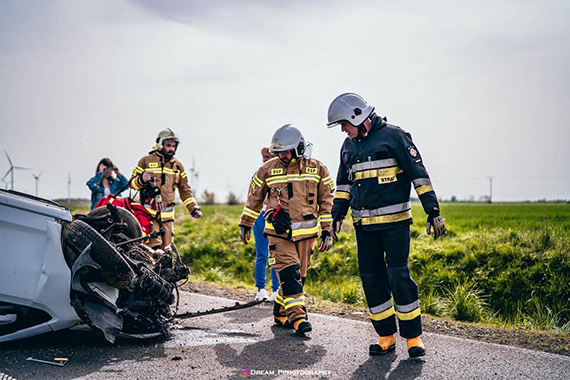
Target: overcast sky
(483, 87)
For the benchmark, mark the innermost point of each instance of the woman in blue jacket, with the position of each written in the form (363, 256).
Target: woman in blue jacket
(107, 181)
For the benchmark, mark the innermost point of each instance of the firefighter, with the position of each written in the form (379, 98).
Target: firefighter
(157, 176)
(379, 164)
(299, 194)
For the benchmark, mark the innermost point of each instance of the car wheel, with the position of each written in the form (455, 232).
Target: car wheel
(78, 235)
(133, 229)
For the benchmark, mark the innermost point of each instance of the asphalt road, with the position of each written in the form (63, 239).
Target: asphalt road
(232, 344)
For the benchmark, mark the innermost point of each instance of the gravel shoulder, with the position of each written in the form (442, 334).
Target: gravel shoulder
(553, 342)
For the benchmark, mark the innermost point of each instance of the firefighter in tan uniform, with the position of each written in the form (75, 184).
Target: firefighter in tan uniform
(300, 194)
(157, 176)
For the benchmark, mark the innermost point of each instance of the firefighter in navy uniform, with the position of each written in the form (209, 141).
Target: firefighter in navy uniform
(157, 176)
(378, 165)
(300, 194)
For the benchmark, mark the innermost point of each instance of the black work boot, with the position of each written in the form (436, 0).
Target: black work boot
(385, 344)
(282, 322)
(302, 326)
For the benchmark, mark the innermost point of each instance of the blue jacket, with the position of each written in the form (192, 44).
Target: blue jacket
(375, 176)
(98, 191)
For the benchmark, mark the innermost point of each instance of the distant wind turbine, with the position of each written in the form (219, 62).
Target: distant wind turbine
(69, 187)
(11, 172)
(194, 177)
(37, 178)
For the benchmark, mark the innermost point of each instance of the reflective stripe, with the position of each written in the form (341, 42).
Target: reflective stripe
(327, 180)
(138, 169)
(150, 210)
(380, 308)
(298, 232)
(409, 307)
(257, 181)
(251, 213)
(378, 173)
(423, 189)
(183, 174)
(307, 224)
(325, 218)
(409, 316)
(342, 195)
(189, 200)
(378, 164)
(292, 302)
(399, 207)
(166, 214)
(167, 209)
(345, 188)
(165, 171)
(387, 218)
(421, 182)
(292, 178)
(279, 300)
(383, 315)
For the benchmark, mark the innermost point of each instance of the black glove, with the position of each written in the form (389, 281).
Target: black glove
(336, 224)
(244, 233)
(436, 221)
(280, 220)
(325, 241)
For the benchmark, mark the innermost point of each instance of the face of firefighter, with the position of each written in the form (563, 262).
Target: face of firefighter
(351, 130)
(285, 157)
(169, 148)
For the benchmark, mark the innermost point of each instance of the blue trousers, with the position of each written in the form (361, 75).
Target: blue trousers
(261, 249)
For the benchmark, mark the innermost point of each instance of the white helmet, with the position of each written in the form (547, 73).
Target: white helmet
(288, 138)
(167, 134)
(348, 107)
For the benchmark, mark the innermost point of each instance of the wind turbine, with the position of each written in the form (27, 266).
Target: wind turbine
(11, 172)
(37, 178)
(68, 187)
(194, 177)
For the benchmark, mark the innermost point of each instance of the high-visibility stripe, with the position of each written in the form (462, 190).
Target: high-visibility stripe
(387, 218)
(297, 232)
(327, 180)
(165, 171)
(378, 173)
(421, 182)
(150, 210)
(377, 164)
(408, 316)
(257, 181)
(279, 300)
(189, 200)
(183, 174)
(345, 188)
(382, 315)
(166, 214)
(249, 212)
(341, 195)
(398, 207)
(382, 307)
(408, 307)
(292, 178)
(423, 189)
(138, 169)
(326, 218)
(292, 302)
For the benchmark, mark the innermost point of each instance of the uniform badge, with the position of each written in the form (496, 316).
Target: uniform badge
(153, 164)
(276, 171)
(413, 151)
(311, 170)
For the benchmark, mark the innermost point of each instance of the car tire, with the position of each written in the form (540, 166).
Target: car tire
(133, 229)
(78, 235)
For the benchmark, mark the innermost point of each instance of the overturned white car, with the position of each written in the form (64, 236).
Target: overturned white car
(59, 270)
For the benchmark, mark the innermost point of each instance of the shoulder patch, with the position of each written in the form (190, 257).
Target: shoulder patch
(413, 151)
(276, 171)
(312, 170)
(153, 164)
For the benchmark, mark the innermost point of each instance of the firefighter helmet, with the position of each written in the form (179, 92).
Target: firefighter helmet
(167, 134)
(288, 138)
(348, 107)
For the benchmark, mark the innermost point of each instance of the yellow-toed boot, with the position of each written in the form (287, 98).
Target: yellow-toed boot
(385, 345)
(416, 347)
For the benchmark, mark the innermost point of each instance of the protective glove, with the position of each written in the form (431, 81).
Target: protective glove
(436, 221)
(280, 220)
(336, 224)
(244, 233)
(196, 213)
(325, 241)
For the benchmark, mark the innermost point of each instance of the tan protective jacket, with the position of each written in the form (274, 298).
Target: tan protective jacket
(169, 175)
(305, 190)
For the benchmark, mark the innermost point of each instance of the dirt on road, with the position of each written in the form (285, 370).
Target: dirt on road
(558, 343)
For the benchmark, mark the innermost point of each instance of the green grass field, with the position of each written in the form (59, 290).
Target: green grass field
(500, 263)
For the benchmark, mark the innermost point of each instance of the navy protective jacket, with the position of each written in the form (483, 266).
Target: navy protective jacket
(375, 177)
